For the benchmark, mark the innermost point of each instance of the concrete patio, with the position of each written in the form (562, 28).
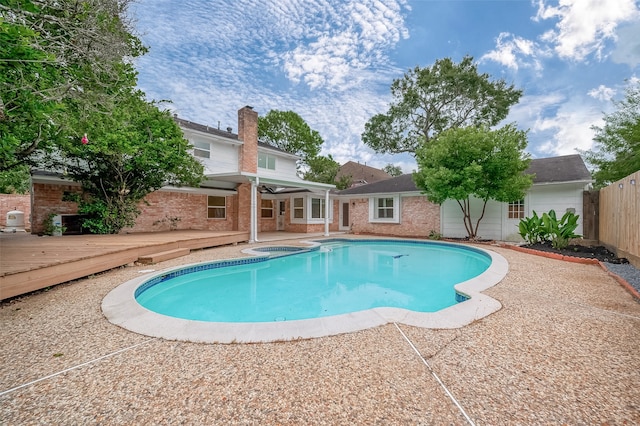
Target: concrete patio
(562, 350)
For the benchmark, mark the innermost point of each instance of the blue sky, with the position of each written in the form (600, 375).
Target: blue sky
(333, 61)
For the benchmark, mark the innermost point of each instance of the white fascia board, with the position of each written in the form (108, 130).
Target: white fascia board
(297, 183)
(210, 136)
(53, 179)
(278, 153)
(582, 182)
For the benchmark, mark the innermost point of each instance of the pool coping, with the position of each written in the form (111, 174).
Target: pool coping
(120, 308)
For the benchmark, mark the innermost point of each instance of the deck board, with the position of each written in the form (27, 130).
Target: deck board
(29, 262)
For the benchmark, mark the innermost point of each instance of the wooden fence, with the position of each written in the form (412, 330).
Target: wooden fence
(620, 217)
(590, 215)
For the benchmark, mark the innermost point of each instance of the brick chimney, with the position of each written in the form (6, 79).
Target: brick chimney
(248, 134)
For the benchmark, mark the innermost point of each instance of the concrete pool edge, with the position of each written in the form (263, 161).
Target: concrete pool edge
(121, 309)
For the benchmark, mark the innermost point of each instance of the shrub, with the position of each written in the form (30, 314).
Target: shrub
(560, 231)
(531, 229)
(548, 228)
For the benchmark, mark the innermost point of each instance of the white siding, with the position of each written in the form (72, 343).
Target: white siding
(495, 224)
(224, 159)
(224, 154)
(285, 168)
(560, 197)
(452, 222)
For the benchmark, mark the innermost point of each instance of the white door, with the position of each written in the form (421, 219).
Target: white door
(281, 209)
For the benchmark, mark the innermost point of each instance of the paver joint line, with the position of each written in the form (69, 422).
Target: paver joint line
(24, 385)
(433, 373)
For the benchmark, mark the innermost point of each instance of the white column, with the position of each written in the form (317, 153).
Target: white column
(253, 233)
(326, 213)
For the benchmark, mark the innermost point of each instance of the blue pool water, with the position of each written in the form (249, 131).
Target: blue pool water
(337, 278)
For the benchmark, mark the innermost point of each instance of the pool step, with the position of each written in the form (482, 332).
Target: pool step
(163, 255)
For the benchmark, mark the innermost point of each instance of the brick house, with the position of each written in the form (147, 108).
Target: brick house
(397, 207)
(249, 186)
(392, 206)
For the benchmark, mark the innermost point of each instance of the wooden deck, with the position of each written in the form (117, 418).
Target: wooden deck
(29, 262)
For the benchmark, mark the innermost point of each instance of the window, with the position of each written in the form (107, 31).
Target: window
(317, 208)
(298, 208)
(266, 161)
(516, 209)
(266, 208)
(384, 208)
(216, 207)
(202, 149)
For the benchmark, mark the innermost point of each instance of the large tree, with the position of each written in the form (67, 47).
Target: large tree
(617, 144)
(68, 103)
(427, 101)
(474, 162)
(121, 157)
(50, 52)
(392, 169)
(289, 132)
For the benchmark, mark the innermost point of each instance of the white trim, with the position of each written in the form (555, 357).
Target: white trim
(373, 208)
(326, 213)
(253, 232)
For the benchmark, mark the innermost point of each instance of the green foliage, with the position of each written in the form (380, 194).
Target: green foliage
(560, 231)
(343, 182)
(428, 101)
(393, 170)
(107, 216)
(474, 162)
(289, 132)
(52, 229)
(617, 144)
(435, 235)
(322, 169)
(531, 229)
(131, 152)
(53, 52)
(15, 180)
(549, 228)
(27, 112)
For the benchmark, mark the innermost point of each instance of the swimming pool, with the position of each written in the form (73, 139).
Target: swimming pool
(337, 278)
(335, 287)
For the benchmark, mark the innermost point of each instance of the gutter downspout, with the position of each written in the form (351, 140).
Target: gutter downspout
(253, 232)
(326, 213)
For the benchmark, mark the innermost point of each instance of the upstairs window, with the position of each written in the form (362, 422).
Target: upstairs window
(216, 207)
(202, 149)
(516, 209)
(266, 161)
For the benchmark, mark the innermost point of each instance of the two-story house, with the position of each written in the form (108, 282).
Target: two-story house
(248, 186)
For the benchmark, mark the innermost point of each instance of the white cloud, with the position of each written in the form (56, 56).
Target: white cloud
(515, 52)
(602, 93)
(566, 127)
(584, 26)
(333, 57)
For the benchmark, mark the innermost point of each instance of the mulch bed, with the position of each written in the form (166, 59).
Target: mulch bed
(590, 252)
